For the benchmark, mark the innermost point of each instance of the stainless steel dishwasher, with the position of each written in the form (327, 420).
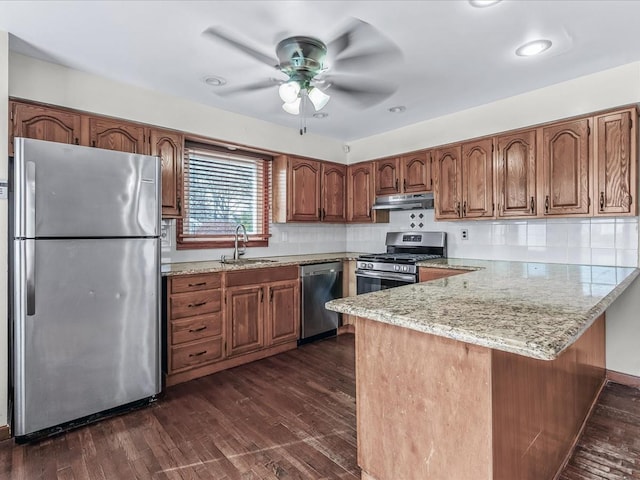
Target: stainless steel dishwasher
(321, 282)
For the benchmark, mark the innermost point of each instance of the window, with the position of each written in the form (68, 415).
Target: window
(221, 191)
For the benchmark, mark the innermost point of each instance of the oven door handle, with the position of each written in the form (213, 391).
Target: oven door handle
(401, 277)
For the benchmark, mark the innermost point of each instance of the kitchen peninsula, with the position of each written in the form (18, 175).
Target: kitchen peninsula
(484, 375)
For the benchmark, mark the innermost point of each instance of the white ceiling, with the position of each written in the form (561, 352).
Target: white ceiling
(455, 56)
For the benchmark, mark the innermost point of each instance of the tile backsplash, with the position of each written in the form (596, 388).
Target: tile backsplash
(595, 241)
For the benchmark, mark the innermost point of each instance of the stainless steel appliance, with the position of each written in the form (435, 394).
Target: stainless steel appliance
(397, 266)
(407, 201)
(321, 282)
(85, 283)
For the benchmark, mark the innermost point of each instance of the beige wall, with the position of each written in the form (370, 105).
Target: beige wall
(4, 135)
(46, 82)
(610, 88)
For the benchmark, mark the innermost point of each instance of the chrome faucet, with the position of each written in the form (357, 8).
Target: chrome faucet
(236, 253)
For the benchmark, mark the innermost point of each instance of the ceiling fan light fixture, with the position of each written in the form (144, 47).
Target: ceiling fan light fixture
(318, 98)
(289, 92)
(535, 47)
(292, 107)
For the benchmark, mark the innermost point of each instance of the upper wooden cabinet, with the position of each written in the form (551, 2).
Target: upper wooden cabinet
(477, 179)
(415, 172)
(615, 163)
(334, 190)
(308, 190)
(565, 168)
(169, 145)
(388, 176)
(448, 182)
(117, 135)
(361, 195)
(42, 123)
(406, 174)
(516, 175)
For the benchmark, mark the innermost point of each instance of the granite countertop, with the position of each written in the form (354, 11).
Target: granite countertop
(531, 309)
(170, 269)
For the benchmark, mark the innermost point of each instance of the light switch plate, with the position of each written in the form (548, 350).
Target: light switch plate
(4, 189)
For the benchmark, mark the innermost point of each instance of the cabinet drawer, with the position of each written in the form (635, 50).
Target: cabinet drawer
(193, 283)
(194, 328)
(196, 353)
(196, 303)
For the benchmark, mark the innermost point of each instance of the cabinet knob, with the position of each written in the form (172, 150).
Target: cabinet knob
(397, 185)
(533, 205)
(464, 209)
(546, 204)
(601, 201)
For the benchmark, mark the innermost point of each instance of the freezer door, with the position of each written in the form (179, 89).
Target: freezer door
(91, 341)
(71, 191)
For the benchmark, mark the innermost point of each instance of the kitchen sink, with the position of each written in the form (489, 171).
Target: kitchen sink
(245, 261)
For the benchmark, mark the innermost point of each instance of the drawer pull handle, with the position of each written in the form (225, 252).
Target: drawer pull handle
(193, 305)
(197, 284)
(197, 354)
(194, 330)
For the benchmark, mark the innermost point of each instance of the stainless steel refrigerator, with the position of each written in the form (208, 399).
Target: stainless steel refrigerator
(85, 283)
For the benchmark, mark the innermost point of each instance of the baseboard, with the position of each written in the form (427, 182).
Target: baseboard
(5, 432)
(623, 378)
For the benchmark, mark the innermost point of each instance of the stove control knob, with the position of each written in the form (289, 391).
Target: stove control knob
(405, 268)
(370, 265)
(396, 268)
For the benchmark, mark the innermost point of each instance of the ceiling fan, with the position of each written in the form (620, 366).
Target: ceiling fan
(313, 67)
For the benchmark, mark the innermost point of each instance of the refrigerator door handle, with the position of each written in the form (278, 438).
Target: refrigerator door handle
(30, 200)
(30, 267)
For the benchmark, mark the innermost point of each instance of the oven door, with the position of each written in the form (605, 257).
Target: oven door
(368, 281)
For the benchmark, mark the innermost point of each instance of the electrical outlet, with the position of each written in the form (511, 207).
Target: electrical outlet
(465, 234)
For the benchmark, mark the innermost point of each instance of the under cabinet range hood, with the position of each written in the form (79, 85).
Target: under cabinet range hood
(409, 201)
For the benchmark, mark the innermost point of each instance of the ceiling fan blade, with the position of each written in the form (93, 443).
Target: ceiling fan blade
(367, 60)
(362, 93)
(251, 87)
(363, 46)
(252, 52)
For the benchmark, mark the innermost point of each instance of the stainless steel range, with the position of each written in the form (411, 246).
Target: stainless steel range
(397, 266)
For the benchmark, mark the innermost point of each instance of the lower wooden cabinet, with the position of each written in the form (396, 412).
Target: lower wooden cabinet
(221, 320)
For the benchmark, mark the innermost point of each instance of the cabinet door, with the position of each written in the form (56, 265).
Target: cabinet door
(360, 193)
(304, 190)
(334, 183)
(477, 179)
(426, 274)
(245, 319)
(284, 313)
(566, 168)
(615, 164)
(516, 175)
(168, 145)
(43, 123)
(416, 173)
(387, 176)
(117, 135)
(447, 183)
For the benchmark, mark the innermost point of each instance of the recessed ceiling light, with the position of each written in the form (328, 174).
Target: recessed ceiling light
(533, 48)
(483, 3)
(320, 115)
(398, 109)
(231, 147)
(215, 81)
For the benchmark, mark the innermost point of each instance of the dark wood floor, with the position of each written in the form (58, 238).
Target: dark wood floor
(285, 417)
(609, 448)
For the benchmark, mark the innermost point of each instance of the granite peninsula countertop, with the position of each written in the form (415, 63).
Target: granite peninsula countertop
(186, 268)
(531, 309)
